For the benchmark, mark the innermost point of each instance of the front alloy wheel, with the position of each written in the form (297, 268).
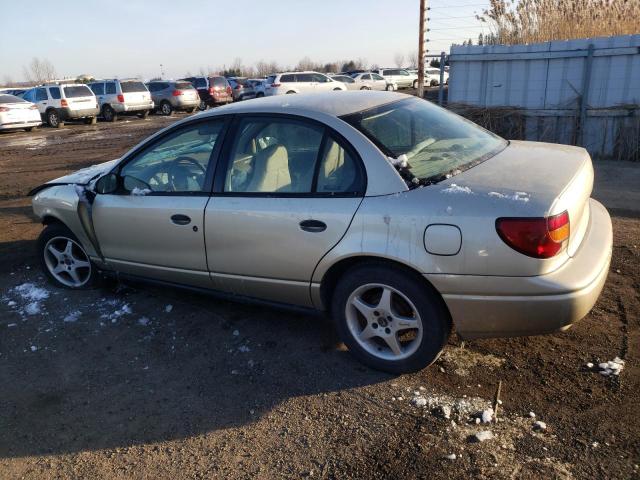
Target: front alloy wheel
(64, 260)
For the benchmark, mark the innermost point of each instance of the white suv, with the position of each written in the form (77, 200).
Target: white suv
(301, 82)
(60, 102)
(399, 76)
(122, 97)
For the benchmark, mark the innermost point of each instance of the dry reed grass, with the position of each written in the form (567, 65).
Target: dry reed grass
(530, 21)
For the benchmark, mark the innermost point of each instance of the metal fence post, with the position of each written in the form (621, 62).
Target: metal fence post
(584, 97)
(441, 85)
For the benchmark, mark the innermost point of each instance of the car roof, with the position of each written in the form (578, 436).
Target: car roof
(336, 104)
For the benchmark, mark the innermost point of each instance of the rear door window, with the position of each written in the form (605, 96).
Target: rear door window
(288, 78)
(201, 83)
(41, 95)
(110, 88)
(55, 92)
(97, 88)
(304, 77)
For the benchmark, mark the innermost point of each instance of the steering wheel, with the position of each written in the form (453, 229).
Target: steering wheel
(176, 172)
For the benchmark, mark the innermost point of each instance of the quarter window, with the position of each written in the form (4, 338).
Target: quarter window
(97, 88)
(55, 92)
(339, 172)
(177, 163)
(110, 88)
(41, 94)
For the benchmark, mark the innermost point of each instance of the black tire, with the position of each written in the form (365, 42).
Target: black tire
(165, 108)
(390, 88)
(337, 89)
(191, 110)
(203, 106)
(53, 119)
(109, 114)
(415, 84)
(365, 88)
(91, 121)
(144, 114)
(259, 95)
(436, 321)
(58, 230)
(291, 92)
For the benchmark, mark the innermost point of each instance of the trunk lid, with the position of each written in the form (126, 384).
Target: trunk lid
(537, 180)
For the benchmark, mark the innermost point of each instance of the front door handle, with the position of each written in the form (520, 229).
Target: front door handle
(180, 219)
(313, 226)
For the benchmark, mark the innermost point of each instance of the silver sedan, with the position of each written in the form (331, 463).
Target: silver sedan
(399, 218)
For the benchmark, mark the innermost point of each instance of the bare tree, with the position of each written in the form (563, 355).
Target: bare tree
(413, 59)
(39, 71)
(399, 60)
(307, 64)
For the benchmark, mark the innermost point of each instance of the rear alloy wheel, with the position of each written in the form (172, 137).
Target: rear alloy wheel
(259, 95)
(63, 258)
(53, 119)
(165, 108)
(109, 114)
(389, 319)
(290, 92)
(203, 106)
(144, 114)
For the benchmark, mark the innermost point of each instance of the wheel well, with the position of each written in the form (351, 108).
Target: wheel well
(332, 276)
(50, 219)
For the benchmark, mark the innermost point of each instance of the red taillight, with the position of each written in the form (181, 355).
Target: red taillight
(6, 109)
(121, 98)
(535, 237)
(211, 90)
(63, 103)
(238, 87)
(275, 85)
(177, 93)
(229, 90)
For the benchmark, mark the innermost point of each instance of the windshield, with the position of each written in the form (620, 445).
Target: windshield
(79, 91)
(437, 143)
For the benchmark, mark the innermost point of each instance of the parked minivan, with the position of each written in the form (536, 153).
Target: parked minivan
(168, 96)
(122, 97)
(213, 91)
(301, 82)
(60, 102)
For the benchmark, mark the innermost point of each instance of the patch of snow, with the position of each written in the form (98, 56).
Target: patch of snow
(401, 161)
(72, 317)
(12, 325)
(483, 436)
(454, 188)
(243, 349)
(140, 192)
(447, 407)
(33, 348)
(516, 197)
(168, 308)
(589, 365)
(539, 426)
(419, 401)
(236, 333)
(451, 457)
(32, 308)
(487, 415)
(613, 367)
(12, 303)
(144, 321)
(532, 415)
(119, 312)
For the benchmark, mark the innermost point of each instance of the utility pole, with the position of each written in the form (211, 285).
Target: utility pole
(423, 7)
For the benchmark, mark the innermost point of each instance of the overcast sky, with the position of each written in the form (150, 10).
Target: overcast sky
(133, 37)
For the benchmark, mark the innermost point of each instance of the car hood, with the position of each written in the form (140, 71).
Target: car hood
(79, 177)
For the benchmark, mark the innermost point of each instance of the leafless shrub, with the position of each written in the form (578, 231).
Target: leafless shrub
(530, 21)
(398, 59)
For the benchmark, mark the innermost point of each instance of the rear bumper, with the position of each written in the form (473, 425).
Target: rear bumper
(179, 103)
(20, 124)
(83, 113)
(491, 306)
(126, 108)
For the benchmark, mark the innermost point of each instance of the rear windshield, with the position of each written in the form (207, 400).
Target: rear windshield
(219, 82)
(130, 87)
(184, 86)
(77, 91)
(271, 79)
(436, 142)
(201, 83)
(10, 99)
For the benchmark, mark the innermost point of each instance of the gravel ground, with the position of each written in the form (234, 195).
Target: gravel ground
(131, 381)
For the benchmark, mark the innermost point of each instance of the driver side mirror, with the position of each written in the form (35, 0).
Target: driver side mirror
(107, 183)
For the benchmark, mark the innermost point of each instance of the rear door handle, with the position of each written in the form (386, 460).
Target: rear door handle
(313, 226)
(180, 219)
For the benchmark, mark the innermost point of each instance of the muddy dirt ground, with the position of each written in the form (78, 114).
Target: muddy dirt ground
(133, 381)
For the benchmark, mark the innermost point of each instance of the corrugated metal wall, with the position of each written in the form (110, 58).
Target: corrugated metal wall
(546, 83)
